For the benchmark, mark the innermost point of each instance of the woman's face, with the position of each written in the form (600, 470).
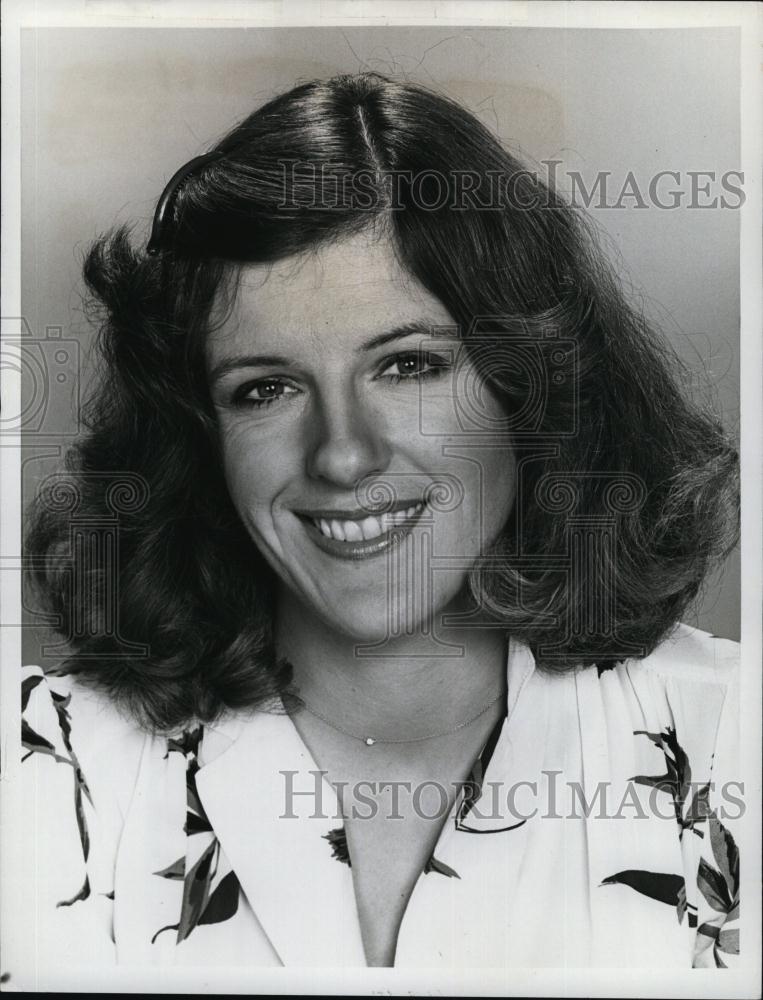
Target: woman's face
(337, 395)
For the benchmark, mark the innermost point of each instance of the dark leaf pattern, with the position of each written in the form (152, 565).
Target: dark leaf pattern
(223, 903)
(657, 885)
(35, 743)
(725, 853)
(698, 811)
(187, 743)
(84, 893)
(338, 842)
(168, 927)
(27, 686)
(728, 941)
(690, 810)
(196, 890)
(713, 887)
(201, 904)
(175, 870)
(433, 865)
(196, 823)
(719, 886)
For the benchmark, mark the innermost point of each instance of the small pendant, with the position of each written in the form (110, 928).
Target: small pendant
(369, 741)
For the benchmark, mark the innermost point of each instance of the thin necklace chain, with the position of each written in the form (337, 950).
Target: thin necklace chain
(371, 740)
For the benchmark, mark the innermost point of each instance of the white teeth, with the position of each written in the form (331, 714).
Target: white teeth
(352, 531)
(370, 527)
(337, 530)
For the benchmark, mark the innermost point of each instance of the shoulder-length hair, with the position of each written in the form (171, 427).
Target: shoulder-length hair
(608, 447)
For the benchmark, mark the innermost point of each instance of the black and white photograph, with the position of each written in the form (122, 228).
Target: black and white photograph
(381, 526)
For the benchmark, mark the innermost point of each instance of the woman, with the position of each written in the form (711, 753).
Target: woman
(381, 664)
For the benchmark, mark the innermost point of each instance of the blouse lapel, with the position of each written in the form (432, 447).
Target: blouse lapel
(273, 812)
(146, 905)
(464, 919)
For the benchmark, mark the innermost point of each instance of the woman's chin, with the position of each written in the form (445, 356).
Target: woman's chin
(369, 616)
(369, 628)
(374, 624)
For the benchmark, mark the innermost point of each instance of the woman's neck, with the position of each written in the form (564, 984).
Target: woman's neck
(408, 686)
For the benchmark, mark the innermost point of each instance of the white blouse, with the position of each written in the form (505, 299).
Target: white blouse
(597, 831)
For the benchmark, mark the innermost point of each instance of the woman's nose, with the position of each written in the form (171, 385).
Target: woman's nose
(347, 443)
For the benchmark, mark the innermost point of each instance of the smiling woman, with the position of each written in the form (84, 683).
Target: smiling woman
(422, 507)
(332, 407)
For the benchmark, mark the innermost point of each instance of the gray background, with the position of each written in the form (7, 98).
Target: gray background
(108, 114)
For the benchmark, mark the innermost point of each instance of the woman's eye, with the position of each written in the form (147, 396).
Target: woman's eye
(264, 392)
(415, 365)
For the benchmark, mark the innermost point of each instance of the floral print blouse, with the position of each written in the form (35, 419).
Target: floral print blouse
(597, 830)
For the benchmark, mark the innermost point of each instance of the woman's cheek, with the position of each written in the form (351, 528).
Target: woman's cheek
(252, 459)
(245, 476)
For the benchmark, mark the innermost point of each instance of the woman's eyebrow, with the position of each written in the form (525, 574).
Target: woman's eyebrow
(405, 330)
(228, 365)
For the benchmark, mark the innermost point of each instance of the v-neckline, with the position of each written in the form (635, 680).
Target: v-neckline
(291, 878)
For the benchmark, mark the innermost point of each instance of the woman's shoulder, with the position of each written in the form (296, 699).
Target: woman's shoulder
(686, 689)
(65, 721)
(690, 673)
(64, 701)
(689, 656)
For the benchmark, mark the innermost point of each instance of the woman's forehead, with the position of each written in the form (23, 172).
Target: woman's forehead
(359, 259)
(351, 288)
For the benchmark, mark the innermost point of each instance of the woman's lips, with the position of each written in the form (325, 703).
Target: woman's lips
(358, 539)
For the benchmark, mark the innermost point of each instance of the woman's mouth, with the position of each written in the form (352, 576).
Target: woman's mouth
(360, 537)
(369, 528)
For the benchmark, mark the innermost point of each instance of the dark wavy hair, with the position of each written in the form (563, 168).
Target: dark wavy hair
(603, 434)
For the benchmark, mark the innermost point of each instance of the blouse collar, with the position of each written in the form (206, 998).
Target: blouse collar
(274, 811)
